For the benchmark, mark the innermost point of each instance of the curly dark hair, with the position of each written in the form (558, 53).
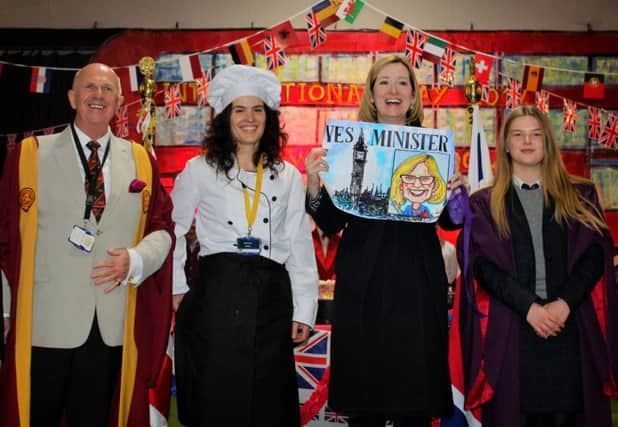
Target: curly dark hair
(220, 147)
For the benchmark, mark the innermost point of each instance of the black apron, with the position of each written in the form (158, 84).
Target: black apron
(234, 352)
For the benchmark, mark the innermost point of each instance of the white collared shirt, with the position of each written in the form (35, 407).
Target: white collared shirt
(281, 223)
(518, 182)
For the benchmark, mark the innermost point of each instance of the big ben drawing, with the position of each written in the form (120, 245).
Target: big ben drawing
(359, 159)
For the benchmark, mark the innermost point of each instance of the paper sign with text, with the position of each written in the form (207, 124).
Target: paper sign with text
(388, 172)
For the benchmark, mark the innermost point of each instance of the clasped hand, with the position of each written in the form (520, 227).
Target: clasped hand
(548, 320)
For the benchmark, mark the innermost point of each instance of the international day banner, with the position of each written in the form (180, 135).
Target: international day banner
(388, 172)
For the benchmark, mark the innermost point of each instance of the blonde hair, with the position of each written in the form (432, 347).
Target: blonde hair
(409, 165)
(368, 112)
(558, 184)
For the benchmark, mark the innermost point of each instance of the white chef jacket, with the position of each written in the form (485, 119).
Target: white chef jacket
(281, 223)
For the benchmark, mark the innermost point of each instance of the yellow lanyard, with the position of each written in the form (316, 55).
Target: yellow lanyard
(251, 211)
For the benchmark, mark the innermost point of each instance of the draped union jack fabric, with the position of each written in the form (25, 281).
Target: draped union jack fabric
(312, 373)
(275, 56)
(317, 35)
(415, 44)
(173, 101)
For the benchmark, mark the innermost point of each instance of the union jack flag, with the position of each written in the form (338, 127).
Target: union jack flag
(202, 87)
(312, 359)
(569, 115)
(415, 45)
(512, 93)
(609, 136)
(447, 65)
(275, 56)
(122, 122)
(542, 100)
(317, 35)
(594, 123)
(173, 102)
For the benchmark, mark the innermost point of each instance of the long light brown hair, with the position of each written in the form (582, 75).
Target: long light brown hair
(368, 111)
(558, 184)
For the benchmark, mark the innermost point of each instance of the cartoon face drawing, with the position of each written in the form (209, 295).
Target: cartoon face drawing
(416, 183)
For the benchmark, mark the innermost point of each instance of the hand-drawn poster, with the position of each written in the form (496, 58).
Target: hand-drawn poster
(388, 172)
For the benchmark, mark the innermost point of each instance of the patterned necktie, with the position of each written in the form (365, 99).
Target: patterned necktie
(99, 189)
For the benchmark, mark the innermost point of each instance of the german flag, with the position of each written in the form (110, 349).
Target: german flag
(392, 27)
(241, 53)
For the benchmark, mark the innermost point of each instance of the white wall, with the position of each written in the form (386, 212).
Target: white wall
(568, 15)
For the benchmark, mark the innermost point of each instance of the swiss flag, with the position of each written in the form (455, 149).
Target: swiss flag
(482, 68)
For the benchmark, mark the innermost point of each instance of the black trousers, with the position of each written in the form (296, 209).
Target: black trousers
(77, 382)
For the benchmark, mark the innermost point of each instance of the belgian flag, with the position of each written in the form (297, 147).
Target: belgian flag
(392, 28)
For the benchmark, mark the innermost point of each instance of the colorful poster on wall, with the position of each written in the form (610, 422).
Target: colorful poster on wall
(388, 172)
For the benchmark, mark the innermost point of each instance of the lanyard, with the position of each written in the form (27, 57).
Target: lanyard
(251, 210)
(91, 178)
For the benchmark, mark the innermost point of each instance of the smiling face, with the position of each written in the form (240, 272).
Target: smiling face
(95, 97)
(525, 142)
(418, 185)
(392, 94)
(247, 121)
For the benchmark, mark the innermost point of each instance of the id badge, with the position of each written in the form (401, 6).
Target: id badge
(82, 238)
(249, 245)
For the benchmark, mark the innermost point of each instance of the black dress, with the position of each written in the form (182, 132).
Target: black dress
(390, 331)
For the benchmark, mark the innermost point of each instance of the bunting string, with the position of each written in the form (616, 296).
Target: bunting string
(420, 46)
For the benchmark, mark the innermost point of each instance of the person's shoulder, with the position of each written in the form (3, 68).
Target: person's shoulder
(47, 142)
(287, 169)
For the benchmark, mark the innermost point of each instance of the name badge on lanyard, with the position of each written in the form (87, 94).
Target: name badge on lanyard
(82, 238)
(249, 245)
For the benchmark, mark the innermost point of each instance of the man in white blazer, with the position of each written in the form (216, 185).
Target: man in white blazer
(84, 266)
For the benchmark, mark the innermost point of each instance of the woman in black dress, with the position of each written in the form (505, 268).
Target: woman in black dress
(389, 345)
